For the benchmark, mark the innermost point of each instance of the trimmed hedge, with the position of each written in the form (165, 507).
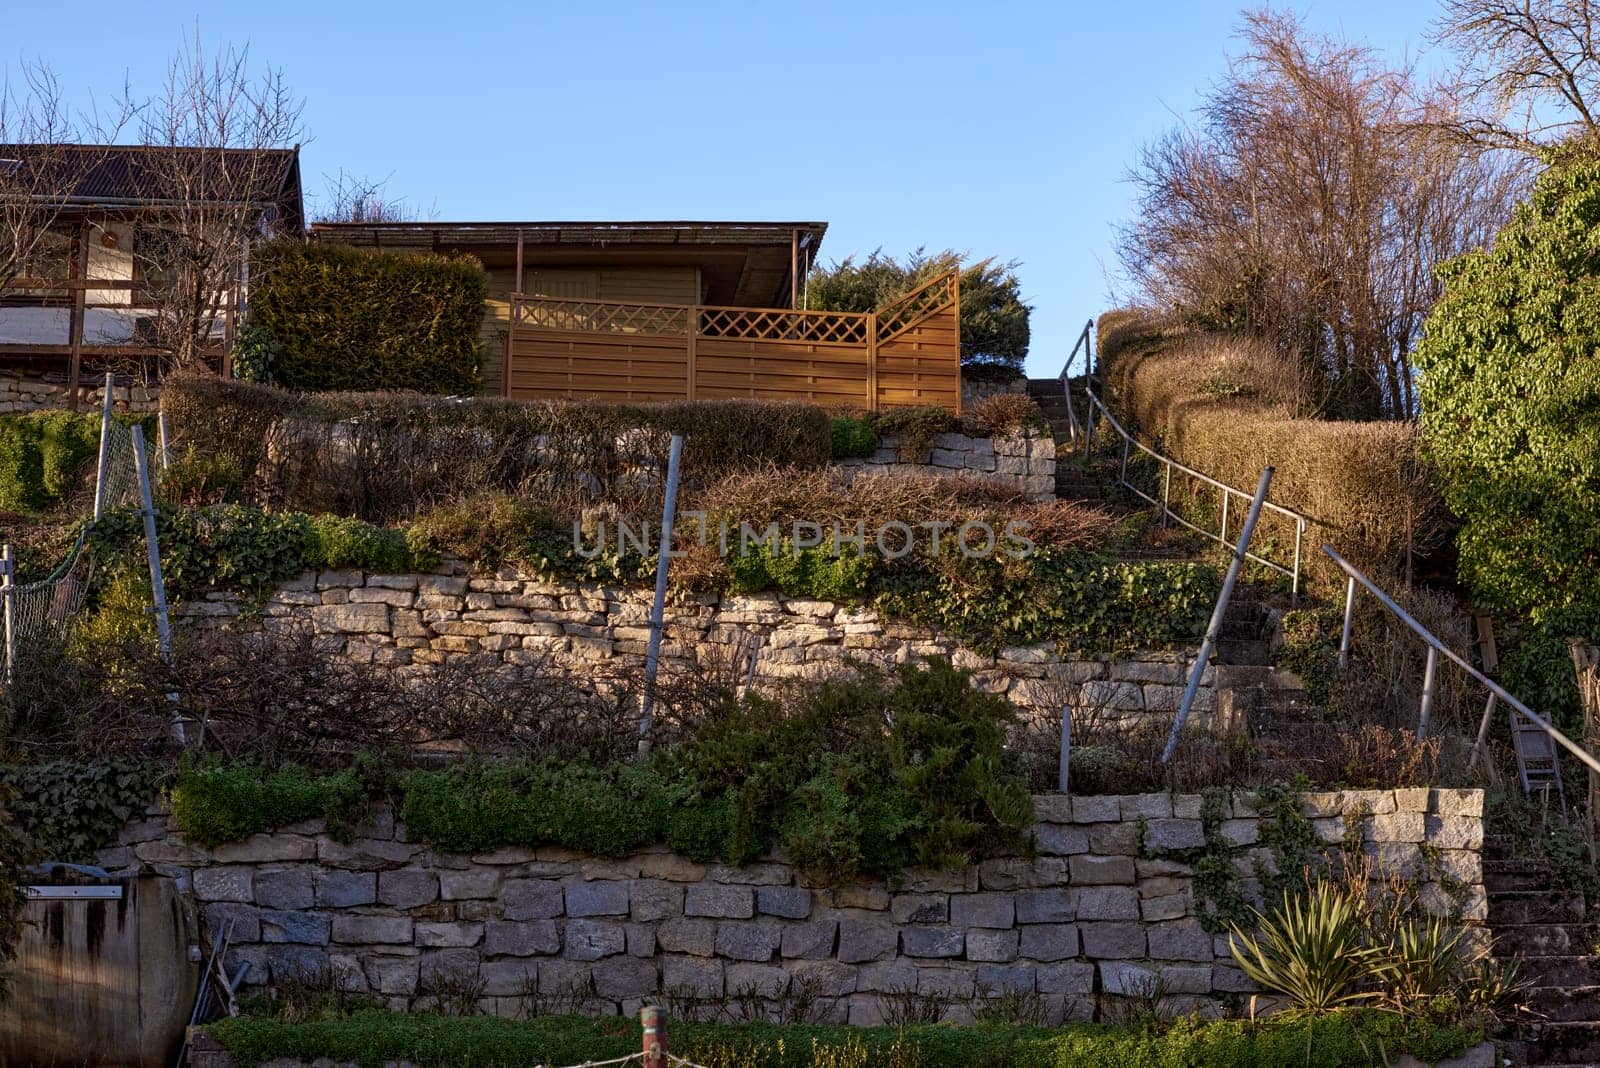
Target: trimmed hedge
(372, 1038)
(1227, 405)
(336, 317)
(385, 456)
(41, 454)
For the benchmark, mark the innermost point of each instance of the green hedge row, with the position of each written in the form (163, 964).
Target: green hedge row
(372, 1038)
(325, 316)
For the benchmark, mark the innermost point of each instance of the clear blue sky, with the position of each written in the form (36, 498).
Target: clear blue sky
(989, 126)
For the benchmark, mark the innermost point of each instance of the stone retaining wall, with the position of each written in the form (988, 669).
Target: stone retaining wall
(1093, 915)
(25, 394)
(410, 621)
(1026, 461)
(976, 389)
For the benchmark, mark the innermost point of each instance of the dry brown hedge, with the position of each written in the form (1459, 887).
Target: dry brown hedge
(1227, 406)
(385, 457)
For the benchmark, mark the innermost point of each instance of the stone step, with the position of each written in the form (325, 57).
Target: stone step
(1501, 875)
(1561, 971)
(1565, 1004)
(1235, 651)
(1574, 1042)
(1510, 908)
(1545, 939)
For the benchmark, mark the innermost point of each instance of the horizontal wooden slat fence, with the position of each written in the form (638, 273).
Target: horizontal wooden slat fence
(907, 352)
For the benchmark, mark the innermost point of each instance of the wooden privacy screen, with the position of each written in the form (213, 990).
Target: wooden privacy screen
(907, 352)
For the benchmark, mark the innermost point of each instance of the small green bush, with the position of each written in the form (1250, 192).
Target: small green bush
(816, 573)
(243, 548)
(853, 437)
(41, 455)
(218, 804)
(329, 317)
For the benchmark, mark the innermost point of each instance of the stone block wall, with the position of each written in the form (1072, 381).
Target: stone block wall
(27, 394)
(412, 621)
(1094, 914)
(976, 389)
(1025, 461)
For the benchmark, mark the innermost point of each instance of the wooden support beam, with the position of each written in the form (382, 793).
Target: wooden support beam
(80, 271)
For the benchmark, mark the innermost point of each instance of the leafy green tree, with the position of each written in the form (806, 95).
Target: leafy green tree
(1510, 365)
(994, 317)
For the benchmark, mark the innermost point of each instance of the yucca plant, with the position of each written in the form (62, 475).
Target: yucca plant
(1422, 961)
(1312, 950)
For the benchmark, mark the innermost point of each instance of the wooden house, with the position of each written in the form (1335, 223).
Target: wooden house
(86, 295)
(656, 311)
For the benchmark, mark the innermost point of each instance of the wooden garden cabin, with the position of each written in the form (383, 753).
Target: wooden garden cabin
(657, 311)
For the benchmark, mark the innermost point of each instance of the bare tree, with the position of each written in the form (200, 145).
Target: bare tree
(220, 140)
(1311, 204)
(40, 164)
(1529, 66)
(358, 199)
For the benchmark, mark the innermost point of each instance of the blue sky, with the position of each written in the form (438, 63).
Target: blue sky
(994, 127)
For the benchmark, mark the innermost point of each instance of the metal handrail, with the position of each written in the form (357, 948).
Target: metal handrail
(1129, 442)
(1436, 647)
(1086, 343)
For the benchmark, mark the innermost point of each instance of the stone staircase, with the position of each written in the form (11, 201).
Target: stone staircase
(1548, 933)
(1074, 480)
(1249, 687)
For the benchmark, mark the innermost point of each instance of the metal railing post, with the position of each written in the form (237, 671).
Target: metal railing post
(1430, 677)
(652, 662)
(1214, 628)
(1349, 618)
(1483, 731)
(1125, 447)
(1294, 582)
(8, 596)
(1166, 493)
(105, 450)
(158, 588)
(1227, 495)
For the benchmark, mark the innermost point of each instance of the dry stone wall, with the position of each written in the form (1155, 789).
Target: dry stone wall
(24, 394)
(1025, 461)
(411, 621)
(1093, 915)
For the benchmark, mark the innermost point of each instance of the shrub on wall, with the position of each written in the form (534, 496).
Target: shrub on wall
(41, 454)
(337, 317)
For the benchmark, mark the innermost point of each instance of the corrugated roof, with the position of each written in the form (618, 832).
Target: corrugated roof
(139, 174)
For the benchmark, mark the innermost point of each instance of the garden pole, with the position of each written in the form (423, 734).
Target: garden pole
(1214, 630)
(158, 589)
(8, 594)
(162, 438)
(1066, 746)
(652, 660)
(653, 1020)
(105, 450)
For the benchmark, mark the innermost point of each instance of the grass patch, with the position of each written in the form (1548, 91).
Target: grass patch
(371, 1038)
